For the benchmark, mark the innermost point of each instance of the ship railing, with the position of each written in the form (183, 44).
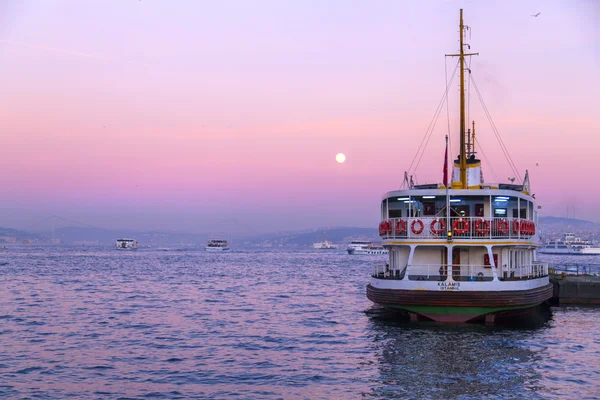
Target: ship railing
(461, 228)
(574, 269)
(531, 271)
(461, 273)
(385, 271)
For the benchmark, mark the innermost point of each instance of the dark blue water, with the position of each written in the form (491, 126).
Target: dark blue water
(95, 323)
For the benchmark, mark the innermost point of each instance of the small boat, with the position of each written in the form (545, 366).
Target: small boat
(366, 248)
(217, 245)
(356, 244)
(126, 244)
(570, 244)
(325, 244)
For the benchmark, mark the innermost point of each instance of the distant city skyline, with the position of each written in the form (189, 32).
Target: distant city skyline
(142, 115)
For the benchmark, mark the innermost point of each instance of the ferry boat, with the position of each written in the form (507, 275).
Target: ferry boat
(357, 244)
(325, 244)
(217, 245)
(358, 247)
(570, 244)
(126, 244)
(461, 250)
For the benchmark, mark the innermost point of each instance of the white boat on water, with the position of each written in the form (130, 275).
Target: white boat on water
(217, 245)
(462, 250)
(359, 247)
(324, 245)
(126, 244)
(570, 244)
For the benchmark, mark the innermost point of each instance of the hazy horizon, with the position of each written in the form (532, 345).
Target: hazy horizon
(145, 116)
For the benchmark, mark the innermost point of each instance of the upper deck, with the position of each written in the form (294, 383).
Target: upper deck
(482, 214)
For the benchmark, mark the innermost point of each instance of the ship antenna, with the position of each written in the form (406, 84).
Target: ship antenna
(473, 140)
(462, 55)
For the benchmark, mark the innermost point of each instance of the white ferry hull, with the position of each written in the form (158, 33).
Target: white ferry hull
(216, 249)
(126, 244)
(571, 252)
(367, 251)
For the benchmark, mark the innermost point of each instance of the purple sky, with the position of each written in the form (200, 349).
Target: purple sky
(178, 115)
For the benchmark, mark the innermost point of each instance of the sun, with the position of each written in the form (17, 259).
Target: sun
(340, 158)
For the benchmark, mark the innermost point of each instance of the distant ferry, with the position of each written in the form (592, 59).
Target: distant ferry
(360, 247)
(570, 244)
(127, 244)
(324, 245)
(217, 245)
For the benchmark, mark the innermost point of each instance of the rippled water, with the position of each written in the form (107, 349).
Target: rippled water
(98, 323)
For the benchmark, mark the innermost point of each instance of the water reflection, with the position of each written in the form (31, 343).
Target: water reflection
(428, 360)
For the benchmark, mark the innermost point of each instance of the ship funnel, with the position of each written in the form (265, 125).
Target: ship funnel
(474, 174)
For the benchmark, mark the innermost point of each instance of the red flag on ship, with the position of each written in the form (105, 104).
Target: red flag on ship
(446, 164)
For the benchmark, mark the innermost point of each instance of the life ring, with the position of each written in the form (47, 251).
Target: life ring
(503, 227)
(400, 227)
(439, 230)
(464, 223)
(420, 229)
(385, 227)
(516, 225)
(525, 227)
(482, 230)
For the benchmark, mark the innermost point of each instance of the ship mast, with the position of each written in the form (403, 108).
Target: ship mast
(463, 155)
(463, 150)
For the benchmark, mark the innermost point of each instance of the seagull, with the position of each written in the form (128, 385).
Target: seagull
(536, 15)
(537, 165)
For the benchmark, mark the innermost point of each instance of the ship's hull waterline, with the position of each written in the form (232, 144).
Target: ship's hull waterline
(458, 306)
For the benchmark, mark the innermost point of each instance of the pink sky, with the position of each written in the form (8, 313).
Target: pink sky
(177, 115)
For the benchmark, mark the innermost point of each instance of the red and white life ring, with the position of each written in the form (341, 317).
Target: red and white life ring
(503, 227)
(460, 226)
(385, 227)
(524, 227)
(482, 226)
(400, 227)
(516, 226)
(439, 230)
(418, 230)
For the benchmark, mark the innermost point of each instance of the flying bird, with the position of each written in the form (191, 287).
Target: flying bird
(536, 15)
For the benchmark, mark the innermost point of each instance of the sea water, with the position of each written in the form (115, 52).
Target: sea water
(96, 322)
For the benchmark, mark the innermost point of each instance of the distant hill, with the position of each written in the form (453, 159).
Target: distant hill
(304, 238)
(7, 233)
(549, 227)
(74, 235)
(565, 221)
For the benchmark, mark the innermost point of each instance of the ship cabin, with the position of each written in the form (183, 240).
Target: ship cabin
(489, 235)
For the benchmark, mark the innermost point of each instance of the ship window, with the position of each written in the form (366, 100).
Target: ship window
(499, 212)
(428, 208)
(516, 213)
(395, 213)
